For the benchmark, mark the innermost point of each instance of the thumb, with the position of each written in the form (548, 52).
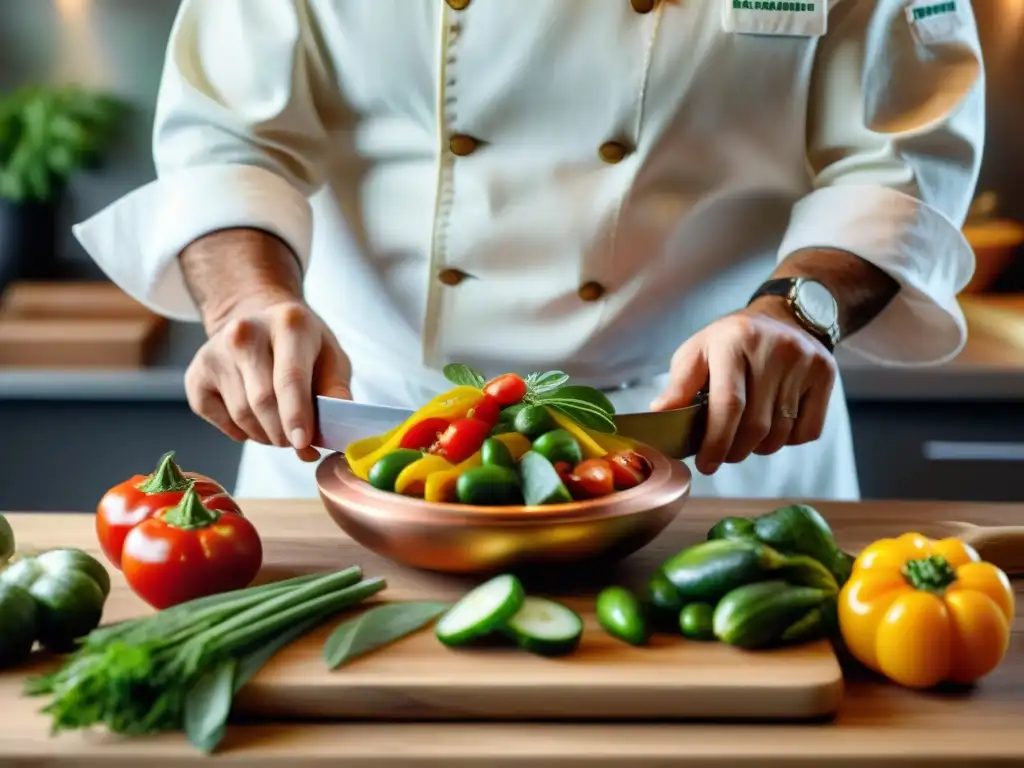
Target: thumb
(687, 376)
(332, 373)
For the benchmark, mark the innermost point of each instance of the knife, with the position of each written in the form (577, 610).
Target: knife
(676, 433)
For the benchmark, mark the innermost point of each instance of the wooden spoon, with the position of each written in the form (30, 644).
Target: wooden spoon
(1003, 546)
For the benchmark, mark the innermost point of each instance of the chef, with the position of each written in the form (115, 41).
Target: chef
(651, 195)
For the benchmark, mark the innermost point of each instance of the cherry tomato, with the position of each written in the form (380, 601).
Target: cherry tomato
(423, 434)
(507, 389)
(129, 503)
(189, 551)
(461, 440)
(629, 469)
(487, 409)
(593, 478)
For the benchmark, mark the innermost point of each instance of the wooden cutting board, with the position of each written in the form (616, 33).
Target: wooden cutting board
(418, 678)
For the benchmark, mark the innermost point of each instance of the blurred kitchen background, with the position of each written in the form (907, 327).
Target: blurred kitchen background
(91, 387)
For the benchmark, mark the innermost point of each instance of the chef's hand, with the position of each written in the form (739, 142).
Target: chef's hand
(255, 377)
(769, 383)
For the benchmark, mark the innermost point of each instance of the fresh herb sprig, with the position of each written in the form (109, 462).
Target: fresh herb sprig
(587, 406)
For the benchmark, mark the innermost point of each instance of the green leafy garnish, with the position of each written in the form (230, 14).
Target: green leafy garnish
(539, 383)
(378, 627)
(587, 406)
(463, 376)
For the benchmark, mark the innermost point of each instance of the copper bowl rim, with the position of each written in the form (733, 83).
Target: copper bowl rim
(669, 479)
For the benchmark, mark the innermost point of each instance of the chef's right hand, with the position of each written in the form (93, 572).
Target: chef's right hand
(255, 377)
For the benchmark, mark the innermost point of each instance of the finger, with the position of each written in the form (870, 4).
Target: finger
(308, 455)
(295, 345)
(813, 410)
(208, 405)
(332, 372)
(250, 349)
(763, 386)
(236, 401)
(687, 376)
(786, 409)
(727, 397)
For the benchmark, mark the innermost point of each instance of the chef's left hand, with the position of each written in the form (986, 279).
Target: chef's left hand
(769, 383)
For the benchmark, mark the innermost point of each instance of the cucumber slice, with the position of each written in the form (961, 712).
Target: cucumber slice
(481, 611)
(545, 627)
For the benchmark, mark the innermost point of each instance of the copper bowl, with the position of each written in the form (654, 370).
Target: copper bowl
(461, 538)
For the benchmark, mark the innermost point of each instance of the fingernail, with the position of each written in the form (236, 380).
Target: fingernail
(657, 403)
(299, 438)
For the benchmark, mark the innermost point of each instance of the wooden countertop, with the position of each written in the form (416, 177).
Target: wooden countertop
(878, 722)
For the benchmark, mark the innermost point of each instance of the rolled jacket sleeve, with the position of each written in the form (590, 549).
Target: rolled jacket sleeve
(237, 142)
(896, 120)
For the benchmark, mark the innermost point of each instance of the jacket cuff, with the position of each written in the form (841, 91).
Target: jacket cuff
(913, 243)
(136, 240)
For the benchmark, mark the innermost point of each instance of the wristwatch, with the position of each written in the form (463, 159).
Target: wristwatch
(811, 303)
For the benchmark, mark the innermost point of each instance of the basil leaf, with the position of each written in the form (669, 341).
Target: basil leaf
(376, 628)
(463, 376)
(538, 383)
(587, 394)
(586, 416)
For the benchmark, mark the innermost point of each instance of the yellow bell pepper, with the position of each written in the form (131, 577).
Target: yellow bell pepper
(453, 404)
(922, 612)
(590, 447)
(361, 448)
(412, 480)
(440, 486)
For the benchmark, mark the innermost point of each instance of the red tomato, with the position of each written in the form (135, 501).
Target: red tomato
(629, 469)
(593, 478)
(487, 409)
(126, 505)
(507, 389)
(461, 440)
(423, 434)
(189, 551)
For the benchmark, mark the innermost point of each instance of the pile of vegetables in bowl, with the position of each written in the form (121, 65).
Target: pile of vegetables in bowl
(508, 441)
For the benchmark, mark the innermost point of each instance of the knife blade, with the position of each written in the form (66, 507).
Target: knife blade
(676, 433)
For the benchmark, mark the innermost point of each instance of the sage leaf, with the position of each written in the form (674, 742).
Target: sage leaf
(208, 704)
(594, 419)
(539, 383)
(463, 375)
(590, 395)
(377, 627)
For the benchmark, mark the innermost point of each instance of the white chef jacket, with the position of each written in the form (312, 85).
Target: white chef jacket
(564, 184)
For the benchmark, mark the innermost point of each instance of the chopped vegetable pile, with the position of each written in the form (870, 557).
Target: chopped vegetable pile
(509, 441)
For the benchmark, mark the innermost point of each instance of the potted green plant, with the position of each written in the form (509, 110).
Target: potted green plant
(47, 134)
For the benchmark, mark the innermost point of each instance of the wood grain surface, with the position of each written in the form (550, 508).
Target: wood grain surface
(877, 721)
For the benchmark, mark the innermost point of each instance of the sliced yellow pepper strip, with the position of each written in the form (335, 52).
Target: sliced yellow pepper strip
(453, 404)
(611, 443)
(360, 448)
(590, 447)
(412, 480)
(441, 485)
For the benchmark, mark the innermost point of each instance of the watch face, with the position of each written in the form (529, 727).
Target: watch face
(817, 303)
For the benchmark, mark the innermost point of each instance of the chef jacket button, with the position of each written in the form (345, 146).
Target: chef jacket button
(591, 291)
(451, 276)
(458, 5)
(612, 152)
(462, 145)
(640, 6)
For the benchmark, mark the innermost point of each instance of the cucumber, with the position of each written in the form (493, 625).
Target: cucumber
(7, 542)
(732, 528)
(508, 414)
(76, 560)
(707, 571)
(811, 627)
(70, 606)
(488, 486)
(533, 421)
(663, 601)
(621, 615)
(558, 445)
(804, 571)
(545, 627)
(541, 483)
(758, 615)
(388, 467)
(496, 453)
(696, 621)
(798, 530)
(481, 611)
